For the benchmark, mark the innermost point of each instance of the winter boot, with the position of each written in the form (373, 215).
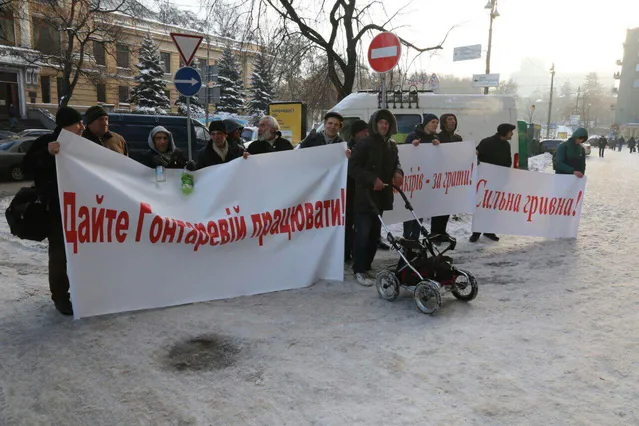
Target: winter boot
(492, 237)
(473, 238)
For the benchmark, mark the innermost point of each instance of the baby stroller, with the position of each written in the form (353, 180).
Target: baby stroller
(423, 270)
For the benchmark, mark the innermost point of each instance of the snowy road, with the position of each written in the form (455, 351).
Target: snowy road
(551, 339)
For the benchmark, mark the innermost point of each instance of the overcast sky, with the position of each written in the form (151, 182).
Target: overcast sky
(577, 35)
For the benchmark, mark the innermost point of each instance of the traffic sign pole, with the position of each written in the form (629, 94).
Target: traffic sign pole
(188, 125)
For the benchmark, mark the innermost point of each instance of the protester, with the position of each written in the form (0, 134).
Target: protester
(269, 138)
(570, 157)
(495, 150)
(163, 151)
(40, 163)
(602, 146)
(426, 133)
(97, 130)
(375, 167)
(631, 144)
(333, 122)
(234, 132)
(218, 150)
(359, 130)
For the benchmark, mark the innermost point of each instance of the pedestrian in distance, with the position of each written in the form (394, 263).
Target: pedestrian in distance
(495, 150)
(602, 146)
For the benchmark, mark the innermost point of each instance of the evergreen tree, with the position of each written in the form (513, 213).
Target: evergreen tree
(262, 87)
(196, 108)
(149, 96)
(230, 81)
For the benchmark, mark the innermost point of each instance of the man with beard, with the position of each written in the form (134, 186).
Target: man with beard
(269, 138)
(218, 150)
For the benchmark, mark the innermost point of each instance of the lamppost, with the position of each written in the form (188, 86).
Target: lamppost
(552, 83)
(492, 6)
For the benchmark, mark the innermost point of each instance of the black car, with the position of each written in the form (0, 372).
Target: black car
(11, 156)
(135, 129)
(550, 145)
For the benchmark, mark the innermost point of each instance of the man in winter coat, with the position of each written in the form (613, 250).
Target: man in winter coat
(602, 146)
(97, 130)
(632, 144)
(333, 122)
(40, 163)
(426, 133)
(163, 151)
(375, 167)
(495, 150)
(269, 138)
(570, 157)
(359, 130)
(234, 132)
(620, 143)
(218, 150)
(448, 126)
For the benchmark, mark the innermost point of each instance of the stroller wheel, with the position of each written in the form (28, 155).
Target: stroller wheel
(465, 286)
(387, 285)
(427, 297)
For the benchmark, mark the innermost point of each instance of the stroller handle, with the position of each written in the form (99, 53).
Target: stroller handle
(409, 206)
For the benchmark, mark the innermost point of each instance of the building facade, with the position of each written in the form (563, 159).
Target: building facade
(627, 110)
(28, 82)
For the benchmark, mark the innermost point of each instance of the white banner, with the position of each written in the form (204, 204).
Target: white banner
(519, 202)
(268, 223)
(438, 180)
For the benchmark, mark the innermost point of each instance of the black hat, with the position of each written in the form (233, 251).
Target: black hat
(332, 114)
(67, 116)
(217, 126)
(503, 129)
(94, 113)
(358, 126)
(232, 125)
(430, 117)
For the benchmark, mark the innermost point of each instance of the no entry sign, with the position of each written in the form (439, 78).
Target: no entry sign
(384, 52)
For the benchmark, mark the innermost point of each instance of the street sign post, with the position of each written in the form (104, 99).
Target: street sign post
(188, 82)
(466, 53)
(485, 80)
(383, 55)
(187, 45)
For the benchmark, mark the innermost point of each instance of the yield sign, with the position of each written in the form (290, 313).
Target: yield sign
(187, 45)
(384, 52)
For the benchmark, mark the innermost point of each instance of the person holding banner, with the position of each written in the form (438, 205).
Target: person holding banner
(426, 133)
(97, 130)
(333, 122)
(570, 158)
(495, 150)
(218, 150)
(163, 151)
(40, 163)
(269, 138)
(374, 166)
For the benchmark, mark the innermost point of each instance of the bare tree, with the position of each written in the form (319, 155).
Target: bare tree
(349, 23)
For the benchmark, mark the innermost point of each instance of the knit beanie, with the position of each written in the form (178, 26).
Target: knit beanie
(217, 126)
(94, 113)
(67, 116)
(358, 126)
(430, 117)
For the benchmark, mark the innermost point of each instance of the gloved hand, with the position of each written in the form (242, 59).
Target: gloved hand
(190, 166)
(161, 160)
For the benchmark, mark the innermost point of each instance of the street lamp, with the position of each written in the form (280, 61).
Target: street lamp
(552, 82)
(492, 6)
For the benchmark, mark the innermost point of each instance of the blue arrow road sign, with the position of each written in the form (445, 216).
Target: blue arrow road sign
(187, 81)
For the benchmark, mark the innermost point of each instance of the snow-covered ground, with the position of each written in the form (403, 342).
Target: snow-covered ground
(552, 338)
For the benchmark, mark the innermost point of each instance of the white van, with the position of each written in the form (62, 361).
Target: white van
(477, 115)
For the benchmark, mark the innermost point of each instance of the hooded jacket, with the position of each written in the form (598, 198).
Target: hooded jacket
(445, 136)
(570, 157)
(419, 133)
(172, 159)
(373, 157)
(208, 157)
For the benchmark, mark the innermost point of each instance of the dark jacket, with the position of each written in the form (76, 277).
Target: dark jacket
(208, 157)
(374, 157)
(631, 142)
(263, 147)
(446, 136)
(571, 157)
(110, 140)
(41, 165)
(602, 142)
(316, 138)
(173, 159)
(494, 150)
(420, 134)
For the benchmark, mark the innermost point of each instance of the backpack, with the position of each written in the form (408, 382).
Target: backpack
(27, 215)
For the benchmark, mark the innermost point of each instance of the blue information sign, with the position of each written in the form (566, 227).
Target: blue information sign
(187, 81)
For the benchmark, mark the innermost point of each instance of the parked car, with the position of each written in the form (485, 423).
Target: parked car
(11, 156)
(135, 129)
(249, 134)
(550, 145)
(587, 147)
(28, 133)
(6, 134)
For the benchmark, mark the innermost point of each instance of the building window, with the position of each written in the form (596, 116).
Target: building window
(60, 86)
(101, 92)
(99, 53)
(123, 94)
(166, 58)
(47, 37)
(122, 56)
(45, 86)
(7, 29)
